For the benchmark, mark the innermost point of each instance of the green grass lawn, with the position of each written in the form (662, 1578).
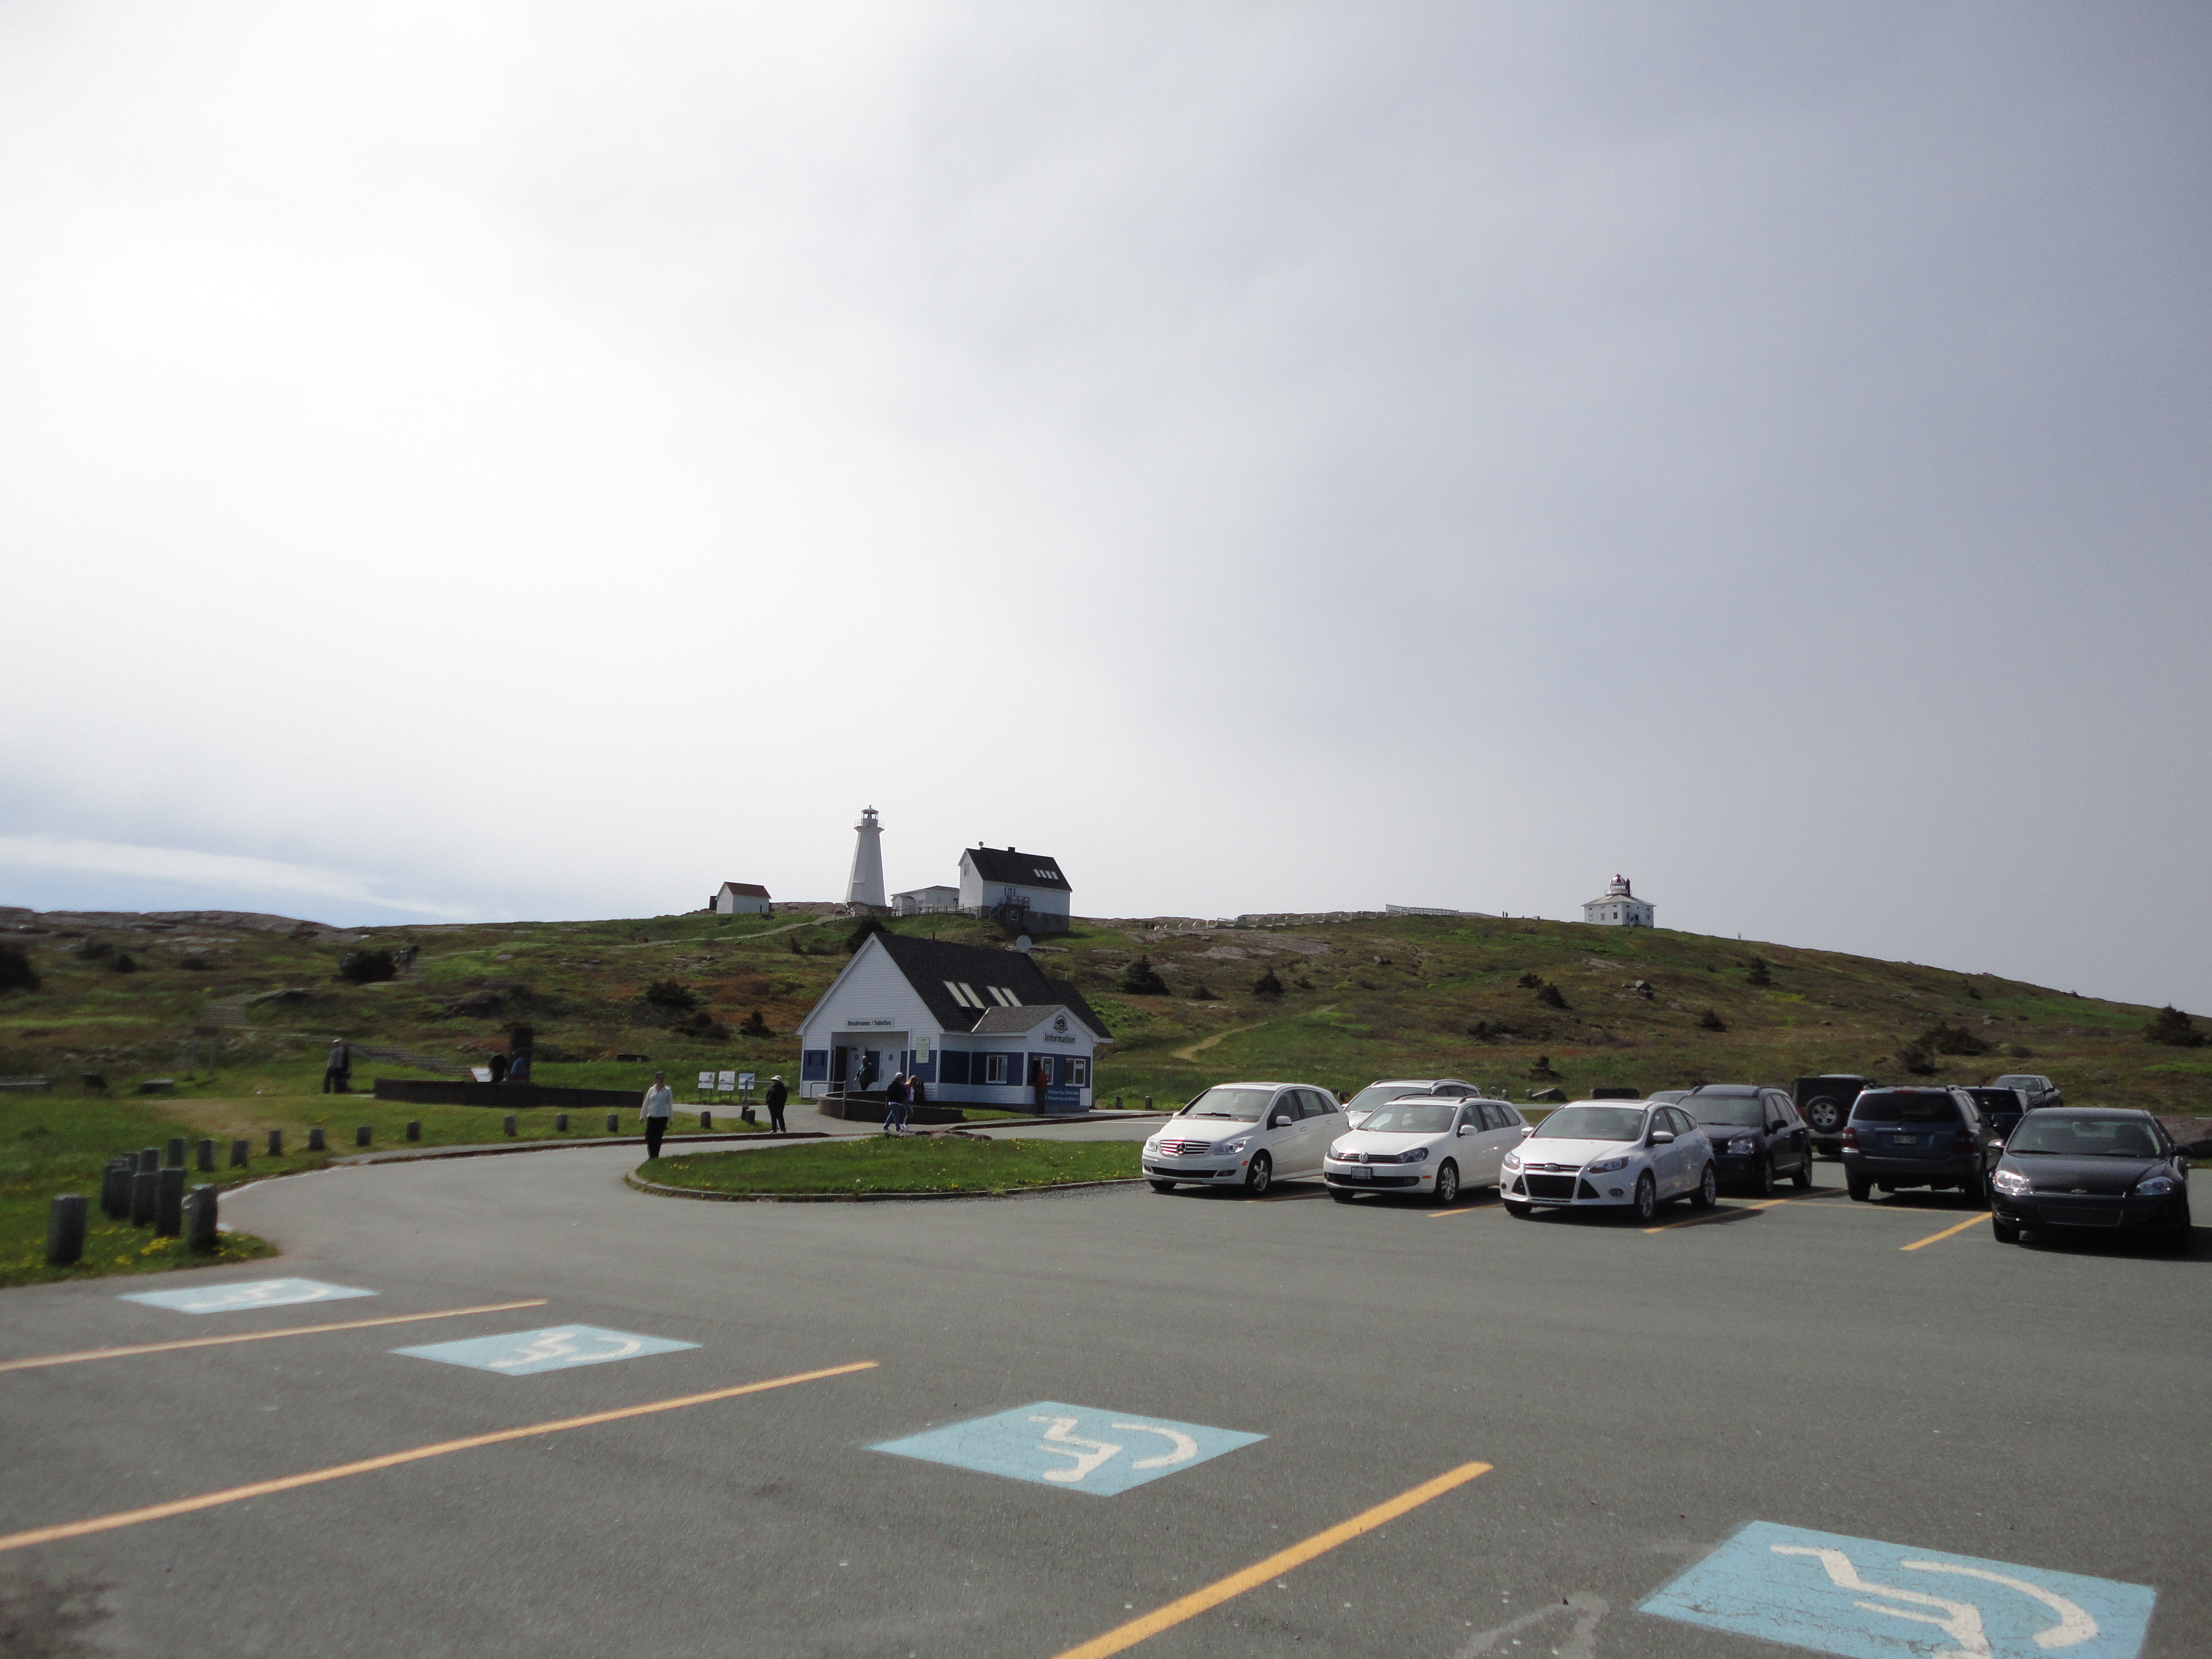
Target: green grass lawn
(935, 1164)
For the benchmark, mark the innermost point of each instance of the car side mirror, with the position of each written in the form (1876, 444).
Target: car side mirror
(1466, 1128)
(1777, 1127)
(1661, 1136)
(1528, 1129)
(1277, 1121)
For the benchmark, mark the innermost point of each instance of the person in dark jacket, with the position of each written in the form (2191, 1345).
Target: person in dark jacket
(777, 1094)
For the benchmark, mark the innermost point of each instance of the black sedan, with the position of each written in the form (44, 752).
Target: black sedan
(2082, 1167)
(1756, 1133)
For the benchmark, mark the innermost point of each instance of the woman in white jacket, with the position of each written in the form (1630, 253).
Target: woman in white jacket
(659, 1105)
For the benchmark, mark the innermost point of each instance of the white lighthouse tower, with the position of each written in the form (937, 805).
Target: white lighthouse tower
(866, 886)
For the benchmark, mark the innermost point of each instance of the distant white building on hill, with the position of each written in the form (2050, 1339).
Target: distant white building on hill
(1618, 907)
(742, 898)
(926, 900)
(1015, 886)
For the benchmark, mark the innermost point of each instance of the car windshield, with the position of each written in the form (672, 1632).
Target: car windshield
(1998, 1100)
(1409, 1120)
(2083, 1137)
(1229, 1100)
(1593, 1123)
(1376, 1094)
(1904, 1106)
(2019, 1080)
(1737, 1111)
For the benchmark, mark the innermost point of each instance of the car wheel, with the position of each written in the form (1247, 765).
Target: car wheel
(1447, 1183)
(1975, 1192)
(1163, 1186)
(2005, 1231)
(1825, 1116)
(1763, 1179)
(1709, 1189)
(1647, 1197)
(1860, 1188)
(1803, 1178)
(1519, 1211)
(1260, 1174)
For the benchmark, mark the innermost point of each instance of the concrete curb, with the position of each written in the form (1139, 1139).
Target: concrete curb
(653, 1188)
(498, 1150)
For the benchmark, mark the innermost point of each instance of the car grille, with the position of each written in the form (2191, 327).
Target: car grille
(1568, 1168)
(1184, 1148)
(2060, 1213)
(1550, 1186)
(1379, 1181)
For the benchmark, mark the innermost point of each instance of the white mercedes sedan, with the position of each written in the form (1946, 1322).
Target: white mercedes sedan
(1428, 1146)
(1620, 1154)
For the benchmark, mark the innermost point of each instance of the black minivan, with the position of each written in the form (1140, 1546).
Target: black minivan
(1930, 1137)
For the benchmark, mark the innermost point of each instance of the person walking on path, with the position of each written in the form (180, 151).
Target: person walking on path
(895, 1105)
(337, 1070)
(1039, 1084)
(777, 1094)
(659, 1105)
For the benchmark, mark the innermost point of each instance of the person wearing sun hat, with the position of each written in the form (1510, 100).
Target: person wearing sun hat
(777, 1094)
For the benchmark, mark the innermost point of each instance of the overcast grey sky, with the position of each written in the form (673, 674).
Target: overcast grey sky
(541, 460)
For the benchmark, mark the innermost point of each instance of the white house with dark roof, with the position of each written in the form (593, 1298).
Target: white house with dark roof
(742, 898)
(1011, 885)
(979, 1027)
(1618, 906)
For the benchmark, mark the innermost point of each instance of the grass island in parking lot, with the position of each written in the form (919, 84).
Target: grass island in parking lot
(936, 1163)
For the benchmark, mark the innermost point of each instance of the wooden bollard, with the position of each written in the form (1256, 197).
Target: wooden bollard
(150, 1159)
(200, 1218)
(1148, 1102)
(315, 1141)
(510, 1123)
(560, 1123)
(176, 1158)
(705, 1119)
(275, 1143)
(240, 1151)
(65, 1230)
(169, 1201)
(364, 1135)
(115, 1190)
(142, 1183)
(206, 1159)
(1117, 1103)
(414, 1128)
(614, 1123)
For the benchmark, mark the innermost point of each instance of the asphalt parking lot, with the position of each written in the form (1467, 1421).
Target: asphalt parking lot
(1180, 1425)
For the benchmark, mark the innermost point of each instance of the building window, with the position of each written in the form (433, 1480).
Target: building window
(995, 1068)
(1079, 1073)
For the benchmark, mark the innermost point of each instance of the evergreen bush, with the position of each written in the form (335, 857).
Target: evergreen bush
(1941, 1039)
(1143, 980)
(1759, 973)
(1549, 996)
(16, 972)
(1711, 1021)
(2169, 1024)
(367, 966)
(671, 996)
(1268, 985)
(755, 1026)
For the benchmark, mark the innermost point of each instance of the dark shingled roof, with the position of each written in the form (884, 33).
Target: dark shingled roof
(928, 964)
(748, 889)
(1003, 864)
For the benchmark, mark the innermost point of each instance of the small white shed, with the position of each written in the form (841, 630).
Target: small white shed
(742, 898)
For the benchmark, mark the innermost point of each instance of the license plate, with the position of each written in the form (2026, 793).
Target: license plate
(1360, 1172)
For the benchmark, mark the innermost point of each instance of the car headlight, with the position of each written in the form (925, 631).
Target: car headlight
(1419, 1155)
(1337, 1152)
(1605, 1168)
(1510, 1161)
(1234, 1145)
(2157, 1185)
(1743, 1146)
(2012, 1183)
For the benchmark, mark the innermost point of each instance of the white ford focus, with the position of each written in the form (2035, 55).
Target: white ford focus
(1636, 1155)
(1433, 1146)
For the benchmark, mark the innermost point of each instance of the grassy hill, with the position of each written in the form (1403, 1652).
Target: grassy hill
(1361, 998)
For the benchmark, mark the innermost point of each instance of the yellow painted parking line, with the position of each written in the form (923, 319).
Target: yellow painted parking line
(1937, 1238)
(1152, 1624)
(17, 1540)
(257, 1336)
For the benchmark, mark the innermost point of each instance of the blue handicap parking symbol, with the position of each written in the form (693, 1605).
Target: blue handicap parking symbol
(233, 1298)
(524, 1354)
(1869, 1600)
(1074, 1447)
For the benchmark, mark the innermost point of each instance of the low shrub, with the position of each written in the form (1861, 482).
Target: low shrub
(2169, 1024)
(1268, 985)
(367, 966)
(122, 962)
(1941, 1039)
(1531, 981)
(16, 972)
(755, 1026)
(1758, 973)
(1141, 979)
(1549, 996)
(1711, 1021)
(671, 996)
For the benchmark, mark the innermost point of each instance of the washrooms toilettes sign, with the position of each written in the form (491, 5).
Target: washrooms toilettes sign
(1077, 1448)
(1870, 1599)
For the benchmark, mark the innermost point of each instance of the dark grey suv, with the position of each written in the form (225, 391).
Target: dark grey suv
(1929, 1137)
(1756, 1133)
